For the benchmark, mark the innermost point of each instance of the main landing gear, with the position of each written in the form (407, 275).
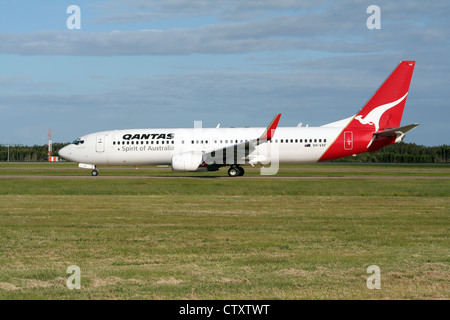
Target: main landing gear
(236, 171)
(94, 173)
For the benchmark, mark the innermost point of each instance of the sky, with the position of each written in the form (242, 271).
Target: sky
(166, 64)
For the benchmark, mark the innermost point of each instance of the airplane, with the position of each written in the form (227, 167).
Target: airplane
(375, 126)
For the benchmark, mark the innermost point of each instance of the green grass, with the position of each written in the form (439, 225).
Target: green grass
(225, 238)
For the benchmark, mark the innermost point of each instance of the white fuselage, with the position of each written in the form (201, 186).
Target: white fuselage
(157, 146)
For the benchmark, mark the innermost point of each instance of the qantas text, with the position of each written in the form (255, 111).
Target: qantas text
(146, 136)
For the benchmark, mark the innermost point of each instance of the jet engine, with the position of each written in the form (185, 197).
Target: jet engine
(192, 161)
(187, 161)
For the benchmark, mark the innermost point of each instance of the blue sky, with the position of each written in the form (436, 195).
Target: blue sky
(144, 64)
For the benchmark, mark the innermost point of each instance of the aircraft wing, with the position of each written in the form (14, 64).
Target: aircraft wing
(239, 152)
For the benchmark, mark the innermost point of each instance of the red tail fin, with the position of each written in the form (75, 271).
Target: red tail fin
(385, 108)
(383, 111)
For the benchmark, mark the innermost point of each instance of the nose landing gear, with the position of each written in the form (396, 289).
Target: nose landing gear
(94, 171)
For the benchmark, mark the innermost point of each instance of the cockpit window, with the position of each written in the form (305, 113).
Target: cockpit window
(78, 141)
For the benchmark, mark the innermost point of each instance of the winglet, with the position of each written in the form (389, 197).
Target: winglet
(270, 131)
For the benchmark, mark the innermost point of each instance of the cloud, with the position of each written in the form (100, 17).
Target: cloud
(289, 25)
(280, 33)
(228, 10)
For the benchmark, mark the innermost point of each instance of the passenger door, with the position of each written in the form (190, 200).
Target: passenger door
(100, 145)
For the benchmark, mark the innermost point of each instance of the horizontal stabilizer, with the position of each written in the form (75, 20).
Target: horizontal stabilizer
(395, 131)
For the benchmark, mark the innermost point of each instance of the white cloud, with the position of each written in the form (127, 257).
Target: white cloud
(119, 11)
(286, 32)
(327, 26)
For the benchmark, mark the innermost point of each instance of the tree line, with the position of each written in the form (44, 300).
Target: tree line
(19, 153)
(396, 153)
(404, 153)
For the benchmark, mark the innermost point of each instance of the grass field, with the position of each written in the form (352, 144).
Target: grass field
(308, 233)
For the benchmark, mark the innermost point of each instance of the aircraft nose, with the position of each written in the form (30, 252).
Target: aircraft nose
(65, 153)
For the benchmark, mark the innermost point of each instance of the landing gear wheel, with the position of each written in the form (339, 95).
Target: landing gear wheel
(235, 171)
(94, 173)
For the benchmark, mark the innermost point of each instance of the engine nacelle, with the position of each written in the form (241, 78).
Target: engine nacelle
(187, 161)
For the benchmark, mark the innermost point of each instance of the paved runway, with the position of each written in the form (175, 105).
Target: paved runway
(274, 177)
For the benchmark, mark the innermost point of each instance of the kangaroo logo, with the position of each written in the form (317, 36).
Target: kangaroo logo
(374, 116)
